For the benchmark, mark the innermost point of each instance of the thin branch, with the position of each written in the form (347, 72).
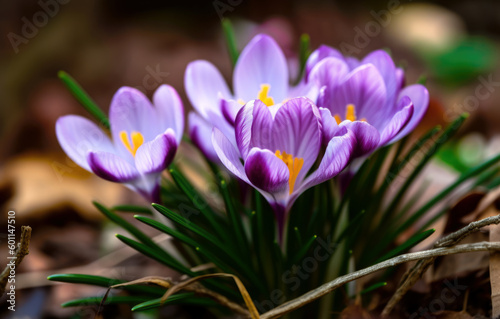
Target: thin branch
(338, 282)
(21, 251)
(413, 274)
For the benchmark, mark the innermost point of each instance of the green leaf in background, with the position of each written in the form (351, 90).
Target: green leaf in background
(82, 97)
(230, 37)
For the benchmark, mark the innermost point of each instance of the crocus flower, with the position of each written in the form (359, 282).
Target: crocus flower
(144, 139)
(367, 98)
(276, 148)
(260, 73)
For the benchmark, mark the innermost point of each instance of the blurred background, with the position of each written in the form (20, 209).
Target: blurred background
(452, 45)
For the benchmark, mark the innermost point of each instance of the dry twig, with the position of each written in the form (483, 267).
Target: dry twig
(21, 251)
(340, 281)
(413, 274)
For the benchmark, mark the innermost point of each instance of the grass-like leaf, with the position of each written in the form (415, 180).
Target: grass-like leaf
(407, 245)
(113, 300)
(230, 37)
(147, 251)
(132, 209)
(104, 282)
(182, 298)
(82, 97)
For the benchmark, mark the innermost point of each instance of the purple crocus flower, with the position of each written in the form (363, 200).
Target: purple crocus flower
(144, 139)
(366, 97)
(276, 148)
(260, 73)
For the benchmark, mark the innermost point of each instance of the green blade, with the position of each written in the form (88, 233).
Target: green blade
(83, 98)
(410, 243)
(131, 209)
(104, 282)
(185, 223)
(112, 300)
(227, 27)
(199, 202)
(182, 299)
(134, 231)
(147, 251)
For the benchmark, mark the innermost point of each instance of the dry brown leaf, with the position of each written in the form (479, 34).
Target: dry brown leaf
(482, 208)
(42, 183)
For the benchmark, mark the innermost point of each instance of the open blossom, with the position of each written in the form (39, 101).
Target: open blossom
(277, 146)
(366, 97)
(144, 139)
(260, 73)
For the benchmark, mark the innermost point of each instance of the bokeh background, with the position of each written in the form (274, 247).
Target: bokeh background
(452, 45)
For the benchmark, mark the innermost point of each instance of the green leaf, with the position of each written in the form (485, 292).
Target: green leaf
(104, 282)
(235, 223)
(410, 243)
(113, 300)
(185, 223)
(443, 138)
(134, 231)
(303, 250)
(132, 209)
(148, 251)
(216, 253)
(83, 98)
(199, 202)
(371, 288)
(227, 27)
(182, 298)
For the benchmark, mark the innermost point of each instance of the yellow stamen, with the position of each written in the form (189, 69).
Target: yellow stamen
(337, 118)
(294, 165)
(240, 101)
(350, 113)
(262, 95)
(137, 140)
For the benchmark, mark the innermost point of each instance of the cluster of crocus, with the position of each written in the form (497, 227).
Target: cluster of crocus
(265, 131)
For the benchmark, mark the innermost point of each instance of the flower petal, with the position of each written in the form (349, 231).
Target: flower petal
(200, 132)
(131, 111)
(420, 98)
(297, 131)
(398, 121)
(204, 86)
(323, 51)
(329, 125)
(384, 64)
(169, 110)
(266, 171)
(156, 155)
(253, 127)
(328, 74)
(364, 88)
(78, 136)
(112, 167)
(261, 62)
(228, 155)
(229, 109)
(337, 156)
(367, 137)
